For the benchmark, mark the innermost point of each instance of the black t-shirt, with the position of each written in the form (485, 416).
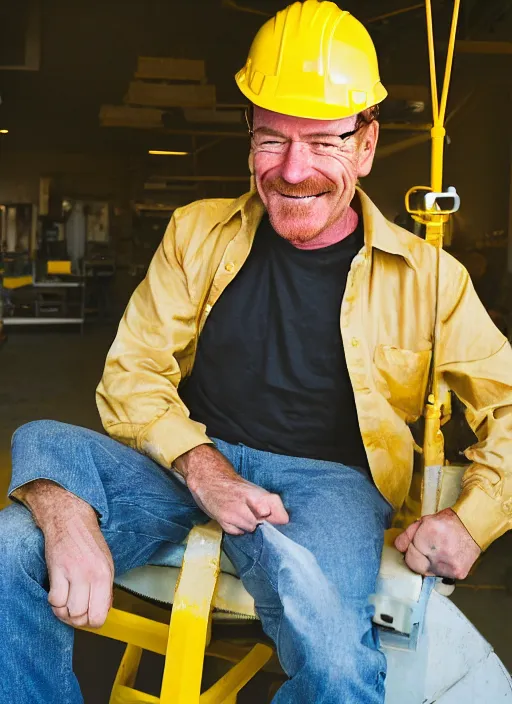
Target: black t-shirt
(270, 370)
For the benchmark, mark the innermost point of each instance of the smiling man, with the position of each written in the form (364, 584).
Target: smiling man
(265, 374)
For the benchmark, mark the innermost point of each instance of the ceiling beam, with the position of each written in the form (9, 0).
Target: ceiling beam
(467, 46)
(164, 95)
(167, 69)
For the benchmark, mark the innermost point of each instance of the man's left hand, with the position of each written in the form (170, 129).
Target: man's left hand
(439, 545)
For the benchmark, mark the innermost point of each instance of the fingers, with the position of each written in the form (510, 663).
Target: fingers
(442, 569)
(59, 589)
(278, 515)
(100, 601)
(81, 599)
(78, 599)
(243, 518)
(405, 539)
(62, 614)
(268, 507)
(230, 529)
(416, 561)
(58, 598)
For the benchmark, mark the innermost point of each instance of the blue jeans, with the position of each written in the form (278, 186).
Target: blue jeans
(310, 578)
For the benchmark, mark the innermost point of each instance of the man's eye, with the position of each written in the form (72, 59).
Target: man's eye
(270, 141)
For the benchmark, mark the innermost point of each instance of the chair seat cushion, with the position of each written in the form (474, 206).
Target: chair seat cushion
(158, 583)
(170, 555)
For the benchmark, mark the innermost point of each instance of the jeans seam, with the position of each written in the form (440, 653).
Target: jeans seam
(243, 461)
(262, 568)
(278, 639)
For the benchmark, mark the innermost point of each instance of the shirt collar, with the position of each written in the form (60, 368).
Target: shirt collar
(379, 233)
(249, 206)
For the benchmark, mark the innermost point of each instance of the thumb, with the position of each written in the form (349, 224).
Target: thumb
(403, 541)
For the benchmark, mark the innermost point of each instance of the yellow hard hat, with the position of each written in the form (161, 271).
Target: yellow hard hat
(312, 60)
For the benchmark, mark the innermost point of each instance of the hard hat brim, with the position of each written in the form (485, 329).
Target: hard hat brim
(310, 109)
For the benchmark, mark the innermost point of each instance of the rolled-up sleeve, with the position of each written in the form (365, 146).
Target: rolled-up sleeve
(138, 398)
(475, 359)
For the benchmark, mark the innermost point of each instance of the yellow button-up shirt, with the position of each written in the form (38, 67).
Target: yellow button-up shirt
(387, 321)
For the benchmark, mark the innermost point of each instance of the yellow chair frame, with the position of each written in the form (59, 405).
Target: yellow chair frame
(187, 640)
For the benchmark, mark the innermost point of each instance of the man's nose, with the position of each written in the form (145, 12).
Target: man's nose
(296, 165)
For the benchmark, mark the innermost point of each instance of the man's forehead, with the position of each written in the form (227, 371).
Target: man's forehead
(288, 124)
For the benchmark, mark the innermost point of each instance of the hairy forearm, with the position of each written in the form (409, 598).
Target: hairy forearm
(202, 462)
(48, 501)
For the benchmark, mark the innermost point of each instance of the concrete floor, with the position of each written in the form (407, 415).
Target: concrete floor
(53, 375)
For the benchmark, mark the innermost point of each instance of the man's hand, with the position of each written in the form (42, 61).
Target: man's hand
(439, 545)
(80, 566)
(236, 504)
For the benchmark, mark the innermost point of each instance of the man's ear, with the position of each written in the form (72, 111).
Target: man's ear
(367, 149)
(251, 169)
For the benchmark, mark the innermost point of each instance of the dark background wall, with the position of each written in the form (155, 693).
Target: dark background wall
(89, 54)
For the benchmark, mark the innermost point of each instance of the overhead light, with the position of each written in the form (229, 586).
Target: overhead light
(4, 131)
(157, 152)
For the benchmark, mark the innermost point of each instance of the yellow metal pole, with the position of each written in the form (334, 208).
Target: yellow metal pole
(433, 446)
(432, 59)
(438, 131)
(449, 61)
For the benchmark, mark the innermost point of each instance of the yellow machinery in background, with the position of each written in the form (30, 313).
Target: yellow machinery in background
(203, 589)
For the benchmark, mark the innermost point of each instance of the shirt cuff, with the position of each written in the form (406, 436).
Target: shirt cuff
(484, 517)
(170, 437)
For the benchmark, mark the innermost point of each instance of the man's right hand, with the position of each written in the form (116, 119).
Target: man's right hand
(80, 566)
(236, 504)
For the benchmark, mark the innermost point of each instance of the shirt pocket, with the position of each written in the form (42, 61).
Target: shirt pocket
(402, 378)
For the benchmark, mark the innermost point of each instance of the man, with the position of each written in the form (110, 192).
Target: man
(294, 325)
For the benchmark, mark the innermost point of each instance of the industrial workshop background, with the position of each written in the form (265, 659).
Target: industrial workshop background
(113, 114)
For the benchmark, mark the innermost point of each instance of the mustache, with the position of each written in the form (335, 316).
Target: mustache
(310, 187)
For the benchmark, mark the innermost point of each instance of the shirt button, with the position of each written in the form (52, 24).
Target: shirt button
(229, 267)
(507, 507)
(355, 342)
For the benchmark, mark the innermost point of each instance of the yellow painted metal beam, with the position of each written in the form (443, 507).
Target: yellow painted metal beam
(127, 695)
(127, 671)
(190, 618)
(137, 630)
(228, 686)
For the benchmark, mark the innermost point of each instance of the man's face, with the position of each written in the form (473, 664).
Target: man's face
(305, 174)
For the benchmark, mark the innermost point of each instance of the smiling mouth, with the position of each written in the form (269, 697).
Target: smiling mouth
(309, 197)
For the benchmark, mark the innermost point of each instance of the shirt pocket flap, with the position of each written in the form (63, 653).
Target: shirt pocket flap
(404, 376)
